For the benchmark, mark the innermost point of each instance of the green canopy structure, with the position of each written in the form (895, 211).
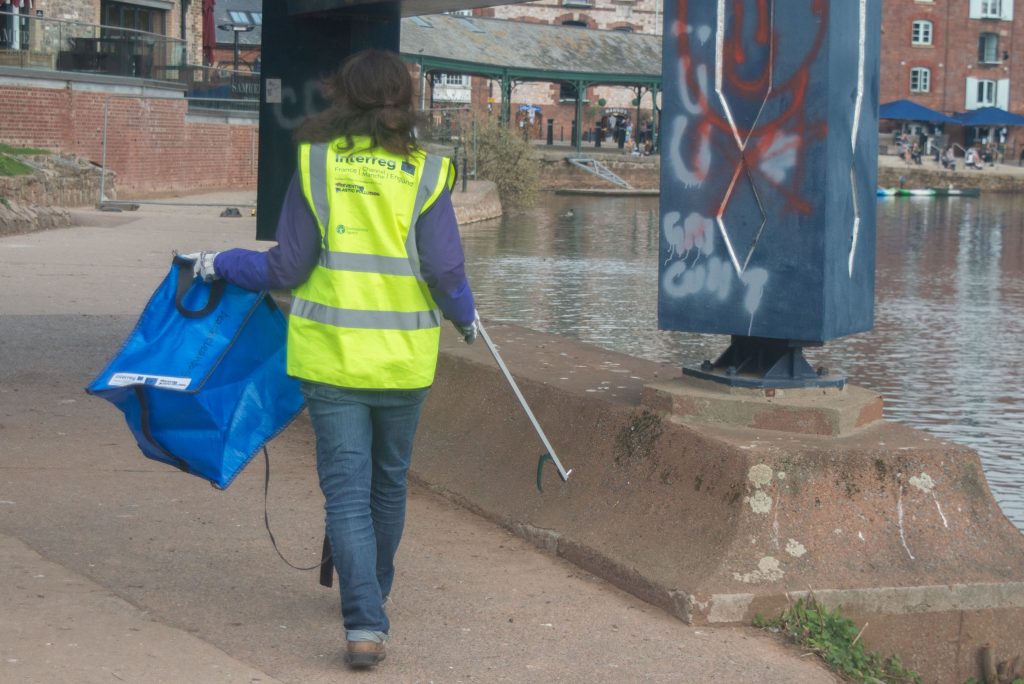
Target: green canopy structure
(516, 52)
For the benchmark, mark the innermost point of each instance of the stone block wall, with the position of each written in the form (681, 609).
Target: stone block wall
(557, 174)
(988, 179)
(58, 181)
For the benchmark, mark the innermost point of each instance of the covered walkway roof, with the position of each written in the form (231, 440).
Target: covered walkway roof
(516, 51)
(521, 51)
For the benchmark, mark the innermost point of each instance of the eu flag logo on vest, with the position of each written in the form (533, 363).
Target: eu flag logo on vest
(408, 168)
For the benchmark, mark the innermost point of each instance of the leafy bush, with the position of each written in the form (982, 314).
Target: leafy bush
(836, 640)
(509, 161)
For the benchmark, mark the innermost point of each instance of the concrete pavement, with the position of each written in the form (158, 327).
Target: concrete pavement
(119, 568)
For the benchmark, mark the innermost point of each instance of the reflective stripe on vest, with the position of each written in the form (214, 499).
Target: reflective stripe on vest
(372, 320)
(365, 318)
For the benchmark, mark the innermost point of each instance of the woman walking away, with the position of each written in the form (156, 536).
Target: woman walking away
(367, 237)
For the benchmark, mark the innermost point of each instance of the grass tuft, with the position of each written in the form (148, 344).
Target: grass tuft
(22, 151)
(9, 166)
(836, 640)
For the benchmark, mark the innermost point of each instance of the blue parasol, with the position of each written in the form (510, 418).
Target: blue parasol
(905, 110)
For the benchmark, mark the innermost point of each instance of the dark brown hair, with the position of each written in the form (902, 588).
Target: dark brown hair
(370, 94)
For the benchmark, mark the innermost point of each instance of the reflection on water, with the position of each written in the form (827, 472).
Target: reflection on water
(947, 351)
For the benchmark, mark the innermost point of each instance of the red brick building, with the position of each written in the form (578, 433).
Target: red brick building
(953, 55)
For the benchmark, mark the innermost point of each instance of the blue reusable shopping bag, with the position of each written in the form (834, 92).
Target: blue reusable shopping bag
(201, 379)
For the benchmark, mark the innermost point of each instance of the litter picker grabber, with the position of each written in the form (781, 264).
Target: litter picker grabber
(549, 455)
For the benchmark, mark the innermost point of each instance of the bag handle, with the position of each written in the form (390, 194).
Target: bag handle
(185, 278)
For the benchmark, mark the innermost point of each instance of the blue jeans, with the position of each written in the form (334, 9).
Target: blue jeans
(363, 448)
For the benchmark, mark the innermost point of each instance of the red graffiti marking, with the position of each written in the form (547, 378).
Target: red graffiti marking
(761, 140)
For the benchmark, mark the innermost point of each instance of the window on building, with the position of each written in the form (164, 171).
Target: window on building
(921, 32)
(623, 29)
(991, 9)
(577, 3)
(988, 48)
(920, 80)
(573, 22)
(240, 17)
(566, 91)
(135, 17)
(453, 79)
(14, 26)
(986, 93)
(461, 13)
(982, 92)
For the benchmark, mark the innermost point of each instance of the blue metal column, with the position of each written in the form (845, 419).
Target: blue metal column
(769, 166)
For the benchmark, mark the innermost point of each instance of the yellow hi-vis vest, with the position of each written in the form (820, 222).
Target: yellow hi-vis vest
(365, 318)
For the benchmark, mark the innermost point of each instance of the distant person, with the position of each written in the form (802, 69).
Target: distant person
(971, 159)
(989, 155)
(949, 158)
(915, 154)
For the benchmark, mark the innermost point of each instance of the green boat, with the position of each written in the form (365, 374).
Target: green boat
(929, 192)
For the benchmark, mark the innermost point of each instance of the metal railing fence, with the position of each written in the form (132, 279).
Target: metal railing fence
(79, 47)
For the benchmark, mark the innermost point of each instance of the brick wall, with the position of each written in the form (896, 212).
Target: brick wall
(153, 145)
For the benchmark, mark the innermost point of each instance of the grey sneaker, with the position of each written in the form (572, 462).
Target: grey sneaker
(363, 654)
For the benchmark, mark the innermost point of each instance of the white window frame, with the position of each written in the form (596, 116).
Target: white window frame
(985, 94)
(983, 52)
(453, 79)
(981, 92)
(921, 32)
(991, 9)
(922, 76)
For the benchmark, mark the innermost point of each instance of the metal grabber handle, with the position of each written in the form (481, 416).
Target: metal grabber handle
(550, 454)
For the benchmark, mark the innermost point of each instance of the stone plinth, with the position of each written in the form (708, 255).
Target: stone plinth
(811, 411)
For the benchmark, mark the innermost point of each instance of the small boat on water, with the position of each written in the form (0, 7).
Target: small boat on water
(928, 192)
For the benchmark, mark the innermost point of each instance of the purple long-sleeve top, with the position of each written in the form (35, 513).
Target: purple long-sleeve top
(288, 264)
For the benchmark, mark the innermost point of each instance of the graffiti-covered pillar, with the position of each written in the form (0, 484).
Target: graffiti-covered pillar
(768, 177)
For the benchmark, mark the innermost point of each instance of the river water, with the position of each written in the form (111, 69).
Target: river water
(946, 353)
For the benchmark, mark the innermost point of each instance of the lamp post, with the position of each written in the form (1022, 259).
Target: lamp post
(237, 29)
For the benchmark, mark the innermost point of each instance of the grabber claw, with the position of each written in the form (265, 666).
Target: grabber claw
(544, 458)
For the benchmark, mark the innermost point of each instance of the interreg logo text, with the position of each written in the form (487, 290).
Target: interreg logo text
(371, 160)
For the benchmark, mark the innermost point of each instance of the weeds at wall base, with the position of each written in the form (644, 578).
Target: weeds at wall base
(836, 640)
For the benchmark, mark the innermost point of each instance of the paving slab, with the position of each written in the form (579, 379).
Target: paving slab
(57, 626)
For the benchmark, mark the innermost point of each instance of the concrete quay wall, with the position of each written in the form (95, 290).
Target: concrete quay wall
(716, 523)
(479, 202)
